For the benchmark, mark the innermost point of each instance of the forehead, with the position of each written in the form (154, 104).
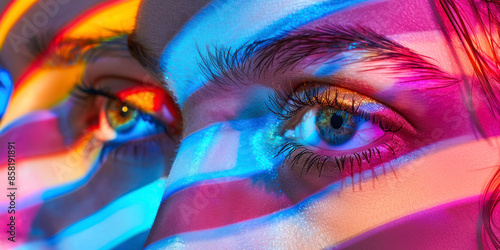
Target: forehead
(231, 24)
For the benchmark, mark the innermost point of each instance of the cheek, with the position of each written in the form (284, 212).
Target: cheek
(39, 91)
(447, 175)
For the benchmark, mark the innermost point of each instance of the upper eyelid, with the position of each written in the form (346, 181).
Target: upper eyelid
(87, 89)
(146, 97)
(157, 117)
(280, 102)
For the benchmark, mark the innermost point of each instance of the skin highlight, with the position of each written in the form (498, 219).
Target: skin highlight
(331, 213)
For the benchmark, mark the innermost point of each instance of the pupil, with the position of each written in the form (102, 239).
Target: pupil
(336, 121)
(124, 111)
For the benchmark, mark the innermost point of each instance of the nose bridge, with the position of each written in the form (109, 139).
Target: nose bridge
(230, 149)
(216, 203)
(218, 178)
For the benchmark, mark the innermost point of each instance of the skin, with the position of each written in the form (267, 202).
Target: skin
(58, 140)
(227, 140)
(222, 128)
(20, 51)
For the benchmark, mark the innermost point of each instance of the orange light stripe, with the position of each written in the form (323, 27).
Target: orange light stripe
(96, 22)
(10, 15)
(149, 100)
(63, 32)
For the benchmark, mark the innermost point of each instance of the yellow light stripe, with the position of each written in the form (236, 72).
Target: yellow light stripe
(11, 15)
(120, 16)
(39, 93)
(117, 16)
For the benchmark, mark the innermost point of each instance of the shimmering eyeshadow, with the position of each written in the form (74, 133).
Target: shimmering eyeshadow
(335, 126)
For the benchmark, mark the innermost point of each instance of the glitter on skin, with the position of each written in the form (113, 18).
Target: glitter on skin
(264, 139)
(261, 137)
(203, 140)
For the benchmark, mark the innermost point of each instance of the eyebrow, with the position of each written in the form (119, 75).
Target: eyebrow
(145, 57)
(227, 66)
(68, 51)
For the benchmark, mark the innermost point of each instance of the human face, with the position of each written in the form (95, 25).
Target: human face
(94, 135)
(318, 124)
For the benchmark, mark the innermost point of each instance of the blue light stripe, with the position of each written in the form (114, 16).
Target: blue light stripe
(126, 217)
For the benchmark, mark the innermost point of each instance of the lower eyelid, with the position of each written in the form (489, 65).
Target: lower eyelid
(305, 161)
(384, 138)
(141, 152)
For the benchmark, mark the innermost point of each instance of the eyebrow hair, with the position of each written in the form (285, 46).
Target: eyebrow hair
(284, 53)
(145, 57)
(68, 51)
(227, 66)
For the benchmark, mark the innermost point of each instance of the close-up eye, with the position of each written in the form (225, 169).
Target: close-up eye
(334, 129)
(120, 116)
(120, 121)
(140, 120)
(326, 125)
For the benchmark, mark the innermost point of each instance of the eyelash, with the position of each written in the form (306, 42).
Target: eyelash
(84, 92)
(287, 106)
